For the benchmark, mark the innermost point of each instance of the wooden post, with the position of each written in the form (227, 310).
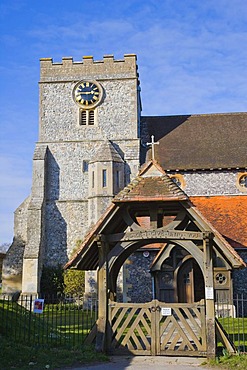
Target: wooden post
(209, 295)
(153, 217)
(102, 297)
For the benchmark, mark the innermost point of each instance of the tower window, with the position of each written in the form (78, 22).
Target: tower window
(87, 117)
(91, 117)
(83, 120)
(118, 179)
(93, 179)
(104, 178)
(85, 166)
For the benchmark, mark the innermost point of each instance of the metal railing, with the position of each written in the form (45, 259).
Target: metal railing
(67, 320)
(51, 320)
(232, 314)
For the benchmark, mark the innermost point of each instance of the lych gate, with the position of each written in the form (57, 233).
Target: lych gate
(153, 210)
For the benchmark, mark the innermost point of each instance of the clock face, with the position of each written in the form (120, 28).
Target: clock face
(87, 94)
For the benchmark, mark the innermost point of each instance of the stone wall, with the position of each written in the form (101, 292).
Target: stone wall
(206, 183)
(137, 278)
(240, 276)
(117, 115)
(12, 263)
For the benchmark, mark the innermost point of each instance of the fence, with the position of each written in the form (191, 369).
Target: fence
(52, 320)
(232, 315)
(67, 321)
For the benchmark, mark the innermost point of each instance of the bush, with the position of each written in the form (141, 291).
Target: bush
(55, 281)
(74, 281)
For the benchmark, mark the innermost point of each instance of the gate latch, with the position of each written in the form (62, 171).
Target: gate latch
(153, 308)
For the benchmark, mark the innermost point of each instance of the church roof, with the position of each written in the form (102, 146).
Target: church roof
(152, 184)
(205, 141)
(228, 214)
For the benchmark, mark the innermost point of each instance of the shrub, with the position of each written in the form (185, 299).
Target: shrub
(74, 281)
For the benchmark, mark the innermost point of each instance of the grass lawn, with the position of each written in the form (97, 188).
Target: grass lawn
(51, 340)
(230, 362)
(22, 357)
(54, 339)
(236, 328)
(58, 325)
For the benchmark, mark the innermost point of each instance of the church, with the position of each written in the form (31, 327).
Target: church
(162, 199)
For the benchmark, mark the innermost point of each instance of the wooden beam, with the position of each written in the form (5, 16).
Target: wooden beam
(222, 335)
(161, 233)
(102, 321)
(209, 295)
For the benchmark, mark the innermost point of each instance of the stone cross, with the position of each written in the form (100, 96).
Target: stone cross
(153, 144)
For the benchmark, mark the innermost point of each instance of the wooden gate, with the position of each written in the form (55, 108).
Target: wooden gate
(158, 328)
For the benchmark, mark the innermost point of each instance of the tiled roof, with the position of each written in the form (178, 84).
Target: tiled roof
(152, 184)
(228, 214)
(199, 141)
(150, 189)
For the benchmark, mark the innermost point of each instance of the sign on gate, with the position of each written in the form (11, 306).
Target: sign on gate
(166, 311)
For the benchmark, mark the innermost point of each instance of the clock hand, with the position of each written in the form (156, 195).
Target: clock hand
(86, 92)
(83, 92)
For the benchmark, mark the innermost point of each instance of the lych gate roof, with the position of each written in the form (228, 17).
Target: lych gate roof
(207, 141)
(152, 184)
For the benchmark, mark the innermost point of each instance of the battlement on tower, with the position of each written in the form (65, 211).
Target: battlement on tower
(108, 68)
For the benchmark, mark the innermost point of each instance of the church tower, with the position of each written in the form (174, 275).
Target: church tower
(88, 149)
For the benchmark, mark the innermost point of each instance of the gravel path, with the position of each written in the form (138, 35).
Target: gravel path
(148, 362)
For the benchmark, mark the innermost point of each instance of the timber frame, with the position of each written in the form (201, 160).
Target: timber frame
(173, 222)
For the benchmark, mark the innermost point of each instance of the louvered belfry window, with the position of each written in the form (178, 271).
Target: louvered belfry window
(87, 117)
(83, 120)
(91, 117)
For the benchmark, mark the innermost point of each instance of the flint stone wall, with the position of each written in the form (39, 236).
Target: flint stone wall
(210, 183)
(12, 263)
(138, 278)
(70, 144)
(59, 119)
(240, 276)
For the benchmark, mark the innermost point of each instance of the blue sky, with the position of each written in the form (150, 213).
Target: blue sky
(192, 58)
